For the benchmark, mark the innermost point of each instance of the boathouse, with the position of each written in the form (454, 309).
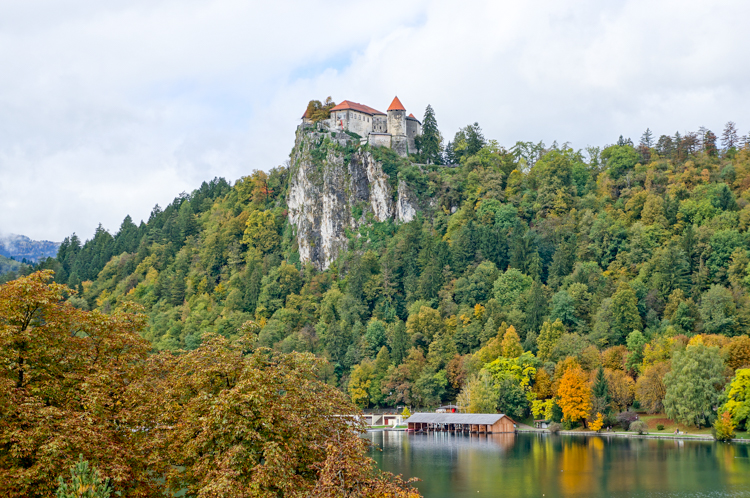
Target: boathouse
(482, 423)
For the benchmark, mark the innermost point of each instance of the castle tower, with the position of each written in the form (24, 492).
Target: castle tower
(396, 118)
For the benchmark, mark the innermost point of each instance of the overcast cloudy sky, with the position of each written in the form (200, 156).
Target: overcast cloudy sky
(107, 108)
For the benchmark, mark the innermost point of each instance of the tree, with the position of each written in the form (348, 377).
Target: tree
(650, 389)
(509, 287)
(250, 421)
(647, 139)
(511, 343)
(85, 482)
(563, 308)
(600, 398)
(625, 317)
(261, 231)
(430, 142)
(730, 137)
(317, 111)
(405, 413)
(63, 383)
(574, 394)
(597, 423)
(548, 337)
(618, 159)
(736, 398)
(636, 343)
(621, 389)
(693, 385)
(718, 311)
(481, 394)
(724, 427)
(738, 352)
(426, 321)
(375, 337)
(360, 382)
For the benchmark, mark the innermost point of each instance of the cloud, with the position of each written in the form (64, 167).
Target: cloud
(107, 108)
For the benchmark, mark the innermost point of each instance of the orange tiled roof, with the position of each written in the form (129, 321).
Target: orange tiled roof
(354, 106)
(396, 105)
(305, 114)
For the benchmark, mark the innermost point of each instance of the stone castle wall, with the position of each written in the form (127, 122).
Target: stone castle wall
(397, 123)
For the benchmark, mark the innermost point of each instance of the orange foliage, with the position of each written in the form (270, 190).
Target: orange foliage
(574, 394)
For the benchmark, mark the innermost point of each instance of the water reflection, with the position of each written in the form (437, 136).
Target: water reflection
(452, 465)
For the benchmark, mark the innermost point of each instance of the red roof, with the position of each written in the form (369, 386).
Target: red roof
(354, 106)
(396, 105)
(412, 116)
(305, 114)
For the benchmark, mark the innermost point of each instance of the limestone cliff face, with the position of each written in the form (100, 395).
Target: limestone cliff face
(333, 187)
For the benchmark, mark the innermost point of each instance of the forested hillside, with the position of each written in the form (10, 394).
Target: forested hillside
(532, 274)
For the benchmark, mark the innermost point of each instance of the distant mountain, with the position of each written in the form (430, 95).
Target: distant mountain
(19, 247)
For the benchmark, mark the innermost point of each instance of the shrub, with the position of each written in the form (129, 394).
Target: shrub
(639, 426)
(597, 423)
(723, 429)
(84, 481)
(626, 418)
(659, 427)
(554, 427)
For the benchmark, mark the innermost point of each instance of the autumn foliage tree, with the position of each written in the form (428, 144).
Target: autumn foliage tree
(230, 420)
(64, 374)
(574, 394)
(226, 419)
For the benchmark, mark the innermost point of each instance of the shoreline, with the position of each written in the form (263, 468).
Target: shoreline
(676, 437)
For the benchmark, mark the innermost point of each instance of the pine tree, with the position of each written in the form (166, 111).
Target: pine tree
(431, 141)
(730, 138)
(647, 139)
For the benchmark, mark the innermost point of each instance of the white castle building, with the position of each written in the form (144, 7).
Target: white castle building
(394, 129)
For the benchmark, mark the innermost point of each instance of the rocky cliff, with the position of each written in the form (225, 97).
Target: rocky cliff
(337, 185)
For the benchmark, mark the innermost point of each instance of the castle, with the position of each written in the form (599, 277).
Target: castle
(394, 129)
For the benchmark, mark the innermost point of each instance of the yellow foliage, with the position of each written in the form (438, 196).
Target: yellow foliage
(597, 423)
(478, 311)
(574, 394)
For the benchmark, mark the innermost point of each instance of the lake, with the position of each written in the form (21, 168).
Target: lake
(535, 465)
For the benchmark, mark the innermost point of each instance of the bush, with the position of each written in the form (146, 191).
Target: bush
(639, 426)
(626, 418)
(723, 429)
(554, 427)
(659, 427)
(84, 481)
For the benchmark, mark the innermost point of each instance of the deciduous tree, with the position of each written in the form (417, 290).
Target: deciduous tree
(693, 385)
(574, 394)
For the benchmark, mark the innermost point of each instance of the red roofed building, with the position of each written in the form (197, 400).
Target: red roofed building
(394, 129)
(396, 105)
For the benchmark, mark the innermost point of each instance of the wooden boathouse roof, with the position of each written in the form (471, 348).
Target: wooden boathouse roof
(456, 418)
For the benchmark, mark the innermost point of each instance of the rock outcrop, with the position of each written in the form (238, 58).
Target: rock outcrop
(334, 186)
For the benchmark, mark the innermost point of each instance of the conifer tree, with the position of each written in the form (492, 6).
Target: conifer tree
(730, 138)
(647, 139)
(600, 393)
(430, 144)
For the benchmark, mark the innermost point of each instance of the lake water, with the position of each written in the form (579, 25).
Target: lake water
(536, 465)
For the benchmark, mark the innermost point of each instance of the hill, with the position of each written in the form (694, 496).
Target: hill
(20, 247)
(8, 265)
(419, 281)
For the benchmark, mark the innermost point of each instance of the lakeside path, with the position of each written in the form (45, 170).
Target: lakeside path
(523, 428)
(690, 437)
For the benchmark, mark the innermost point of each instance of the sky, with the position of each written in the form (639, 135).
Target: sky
(108, 108)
